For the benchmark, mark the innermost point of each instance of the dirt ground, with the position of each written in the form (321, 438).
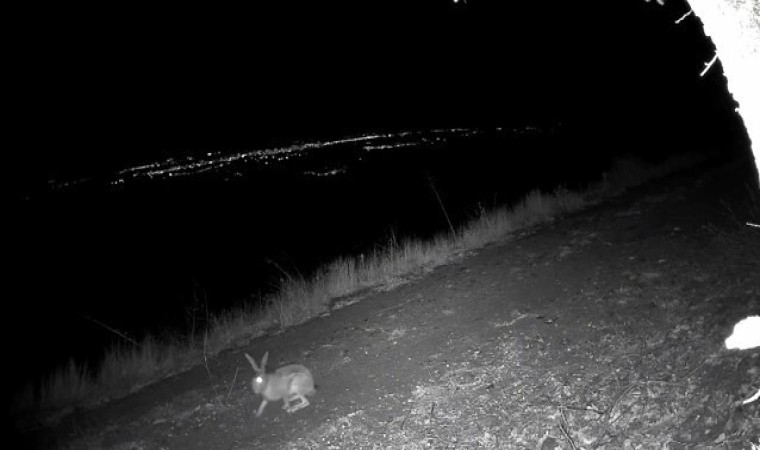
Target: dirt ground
(603, 329)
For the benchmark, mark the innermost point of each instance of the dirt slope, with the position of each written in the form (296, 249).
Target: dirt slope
(600, 330)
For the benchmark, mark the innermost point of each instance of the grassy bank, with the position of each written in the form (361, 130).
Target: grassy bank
(127, 368)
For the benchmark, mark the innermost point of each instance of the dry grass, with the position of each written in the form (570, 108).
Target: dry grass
(124, 370)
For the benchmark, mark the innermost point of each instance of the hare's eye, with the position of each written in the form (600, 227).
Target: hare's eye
(259, 380)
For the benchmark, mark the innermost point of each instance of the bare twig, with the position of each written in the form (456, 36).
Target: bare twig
(608, 411)
(583, 408)
(232, 385)
(698, 366)
(289, 276)
(709, 64)
(112, 330)
(440, 202)
(205, 363)
(563, 427)
(752, 399)
(688, 13)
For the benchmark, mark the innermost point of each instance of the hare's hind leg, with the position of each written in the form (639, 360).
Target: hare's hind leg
(301, 405)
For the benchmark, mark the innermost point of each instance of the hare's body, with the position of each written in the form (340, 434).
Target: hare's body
(746, 334)
(287, 383)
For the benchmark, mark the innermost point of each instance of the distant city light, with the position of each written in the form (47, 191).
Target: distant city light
(217, 161)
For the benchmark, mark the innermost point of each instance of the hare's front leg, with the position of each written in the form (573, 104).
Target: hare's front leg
(261, 407)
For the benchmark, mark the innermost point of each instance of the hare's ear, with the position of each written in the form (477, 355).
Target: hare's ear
(264, 361)
(253, 363)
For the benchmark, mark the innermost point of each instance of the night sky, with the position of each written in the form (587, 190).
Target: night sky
(99, 87)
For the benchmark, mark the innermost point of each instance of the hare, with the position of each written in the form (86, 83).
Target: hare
(287, 383)
(746, 335)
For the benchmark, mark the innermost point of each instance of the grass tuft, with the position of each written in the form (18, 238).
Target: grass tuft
(124, 370)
